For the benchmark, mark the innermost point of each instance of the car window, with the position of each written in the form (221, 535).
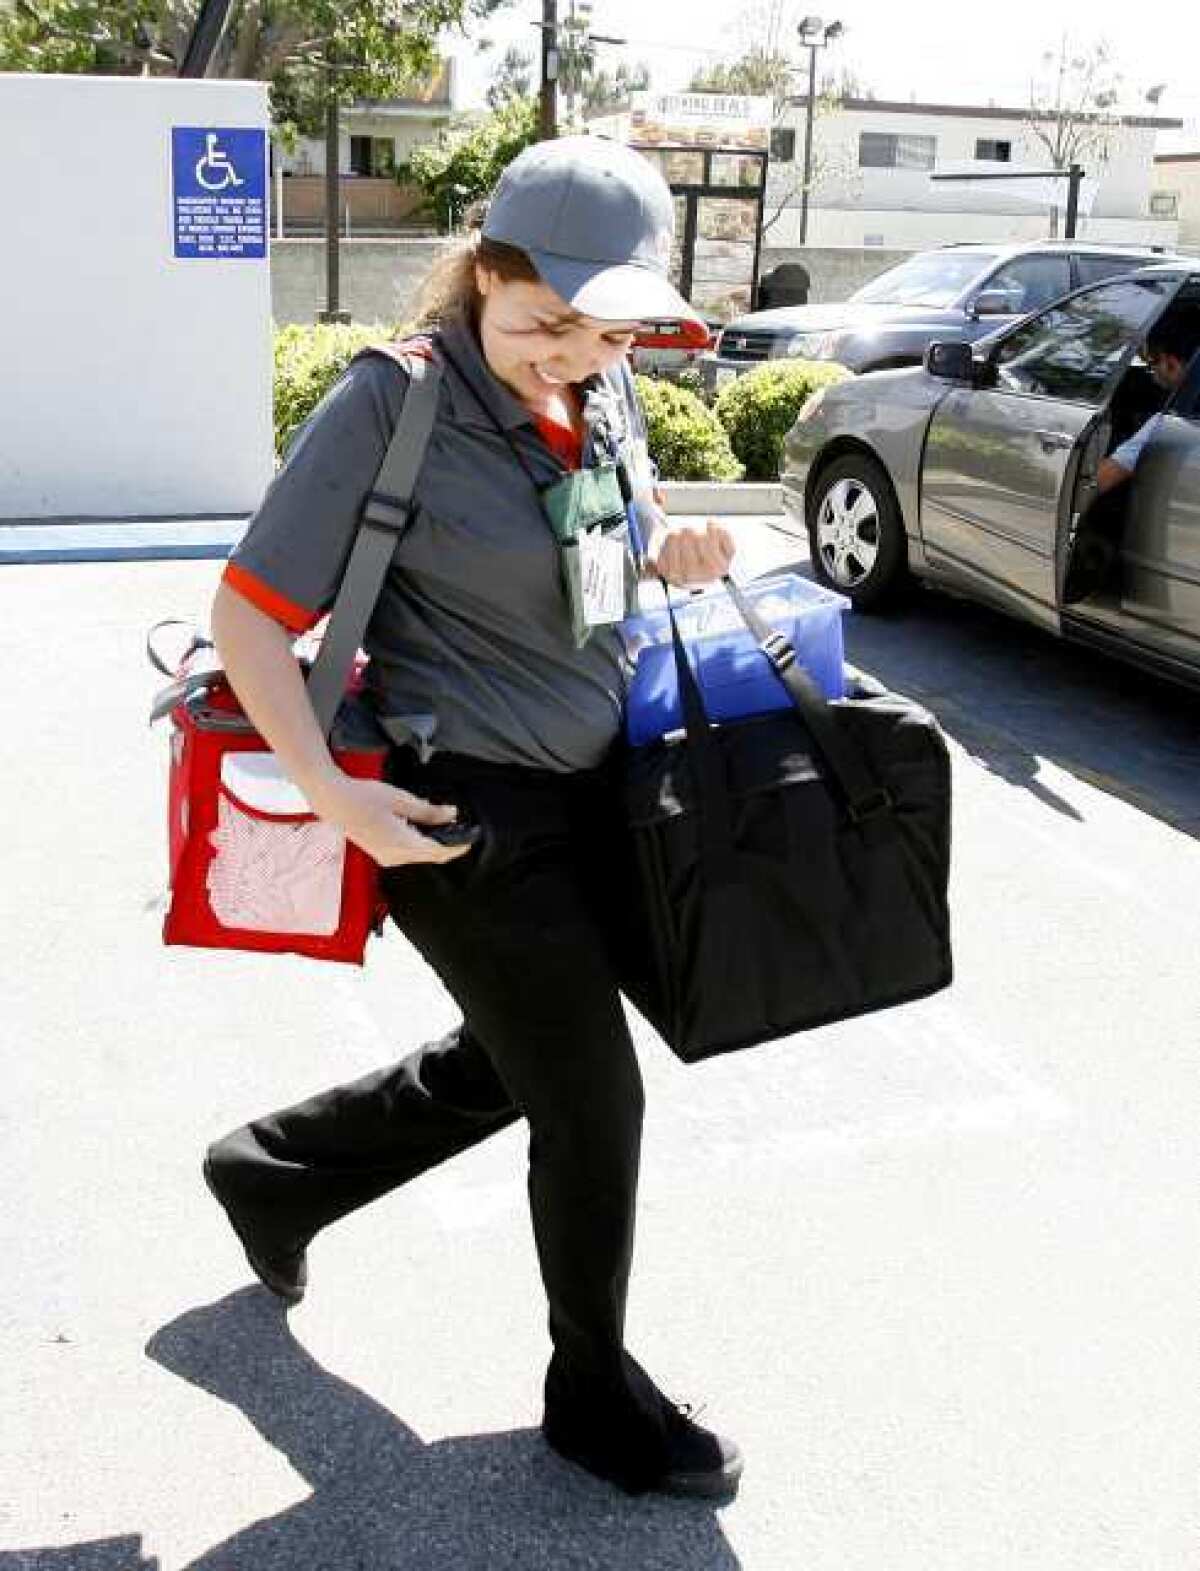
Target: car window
(1093, 268)
(1031, 282)
(1074, 350)
(936, 278)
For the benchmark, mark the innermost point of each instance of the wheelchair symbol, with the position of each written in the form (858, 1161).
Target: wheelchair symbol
(214, 171)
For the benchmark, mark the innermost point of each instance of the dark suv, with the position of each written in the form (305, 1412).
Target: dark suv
(958, 291)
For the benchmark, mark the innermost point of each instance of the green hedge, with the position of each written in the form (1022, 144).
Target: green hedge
(686, 439)
(308, 361)
(759, 409)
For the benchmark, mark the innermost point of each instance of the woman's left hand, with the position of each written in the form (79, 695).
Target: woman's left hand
(687, 554)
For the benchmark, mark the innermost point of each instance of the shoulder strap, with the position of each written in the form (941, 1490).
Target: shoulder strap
(385, 518)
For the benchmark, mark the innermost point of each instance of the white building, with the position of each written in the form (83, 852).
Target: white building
(873, 160)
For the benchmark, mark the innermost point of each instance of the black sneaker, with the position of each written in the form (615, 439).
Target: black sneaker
(286, 1274)
(700, 1463)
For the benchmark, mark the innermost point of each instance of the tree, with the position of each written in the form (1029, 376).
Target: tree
(468, 157)
(759, 72)
(378, 48)
(512, 78)
(602, 92)
(1072, 107)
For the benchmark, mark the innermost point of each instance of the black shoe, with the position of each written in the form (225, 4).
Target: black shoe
(285, 1274)
(700, 1463)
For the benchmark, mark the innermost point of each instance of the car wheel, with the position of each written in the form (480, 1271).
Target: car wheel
(855, 532)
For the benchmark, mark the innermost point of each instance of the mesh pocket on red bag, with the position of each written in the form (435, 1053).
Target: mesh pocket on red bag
(279, 875)
(275, 868)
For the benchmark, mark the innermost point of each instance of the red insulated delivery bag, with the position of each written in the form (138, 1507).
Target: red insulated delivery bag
(251, 866)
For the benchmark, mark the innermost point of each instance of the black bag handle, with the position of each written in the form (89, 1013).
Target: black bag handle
(842, 759)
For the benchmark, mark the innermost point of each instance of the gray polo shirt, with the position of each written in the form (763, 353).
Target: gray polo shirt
(470, 646)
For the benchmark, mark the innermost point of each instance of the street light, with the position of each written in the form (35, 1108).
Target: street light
(814, 33)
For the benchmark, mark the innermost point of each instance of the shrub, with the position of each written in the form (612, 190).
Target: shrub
(759, 409)
(686, 439)
(308, 361)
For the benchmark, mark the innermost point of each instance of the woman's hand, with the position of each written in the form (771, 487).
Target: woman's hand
(687, 554)
(384, 821)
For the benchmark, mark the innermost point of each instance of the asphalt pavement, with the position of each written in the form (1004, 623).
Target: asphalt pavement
(937, 1270)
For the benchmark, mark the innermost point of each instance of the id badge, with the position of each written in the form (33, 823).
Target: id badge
(587, 515)
(602, 577)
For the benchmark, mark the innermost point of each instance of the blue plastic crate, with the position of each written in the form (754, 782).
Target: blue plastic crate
(736, 678)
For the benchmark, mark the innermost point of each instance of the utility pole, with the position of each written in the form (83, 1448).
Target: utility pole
(815, 33)
(332, 311)
(808, 140)
(548, 116)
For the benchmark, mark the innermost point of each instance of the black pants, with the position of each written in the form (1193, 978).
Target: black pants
(521, 932)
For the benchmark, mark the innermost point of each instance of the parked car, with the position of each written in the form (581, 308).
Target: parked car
(665, 350)
(956, 292)
(978, 470)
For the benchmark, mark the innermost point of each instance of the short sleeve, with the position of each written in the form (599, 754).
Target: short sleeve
(1128, 455)
(292, 557)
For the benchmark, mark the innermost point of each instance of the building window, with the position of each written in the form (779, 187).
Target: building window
(993, 152)
(372, 155)
(1164, 204)
(885, 150)
(783, 145)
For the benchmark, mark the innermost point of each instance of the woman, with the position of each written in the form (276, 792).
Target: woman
(500, 677)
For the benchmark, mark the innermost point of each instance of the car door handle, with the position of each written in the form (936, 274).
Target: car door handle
(1055, 440)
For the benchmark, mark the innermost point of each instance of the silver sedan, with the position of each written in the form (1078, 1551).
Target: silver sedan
(978, 472)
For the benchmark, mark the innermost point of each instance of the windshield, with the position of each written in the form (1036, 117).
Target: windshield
(934, 279)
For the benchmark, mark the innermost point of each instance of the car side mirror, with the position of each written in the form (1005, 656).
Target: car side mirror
(994, 302)
(953, 362)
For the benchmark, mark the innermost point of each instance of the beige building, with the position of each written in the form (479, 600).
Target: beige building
(874, 159)
(375, 139)
(1177, 191)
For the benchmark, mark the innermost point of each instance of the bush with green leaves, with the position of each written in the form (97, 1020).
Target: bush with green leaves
(759, 409)
(686, 439)
(467, 159)
(308, 361)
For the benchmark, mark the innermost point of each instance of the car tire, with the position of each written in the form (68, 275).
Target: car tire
(855, 532)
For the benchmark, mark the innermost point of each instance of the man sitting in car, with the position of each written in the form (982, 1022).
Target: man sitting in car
(1170, 345)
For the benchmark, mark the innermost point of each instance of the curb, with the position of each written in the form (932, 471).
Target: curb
(118, 540)
(702, 496)
(26, 541)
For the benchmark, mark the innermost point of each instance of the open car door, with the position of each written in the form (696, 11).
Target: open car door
(1002, 457)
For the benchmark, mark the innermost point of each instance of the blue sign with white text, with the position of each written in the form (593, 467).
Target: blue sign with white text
(219, 191)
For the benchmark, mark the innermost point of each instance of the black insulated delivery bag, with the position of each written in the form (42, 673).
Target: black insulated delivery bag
(785, 870)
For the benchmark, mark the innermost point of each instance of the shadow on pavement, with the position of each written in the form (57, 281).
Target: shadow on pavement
(382, 1498)
(103, 1554)
(1013, 696)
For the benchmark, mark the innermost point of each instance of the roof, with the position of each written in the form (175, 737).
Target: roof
(980, 112)
(1073, 248)
(1177, 158)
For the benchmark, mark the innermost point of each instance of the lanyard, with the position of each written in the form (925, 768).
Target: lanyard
(608, 441)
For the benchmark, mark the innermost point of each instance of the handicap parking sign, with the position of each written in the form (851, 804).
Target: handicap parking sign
(219, 191)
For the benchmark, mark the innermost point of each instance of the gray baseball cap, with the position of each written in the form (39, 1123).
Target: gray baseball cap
(596, 219)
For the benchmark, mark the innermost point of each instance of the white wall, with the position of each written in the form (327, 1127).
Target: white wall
(136, 384)
(1182, 177)
(406, 131)
(916, 231)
